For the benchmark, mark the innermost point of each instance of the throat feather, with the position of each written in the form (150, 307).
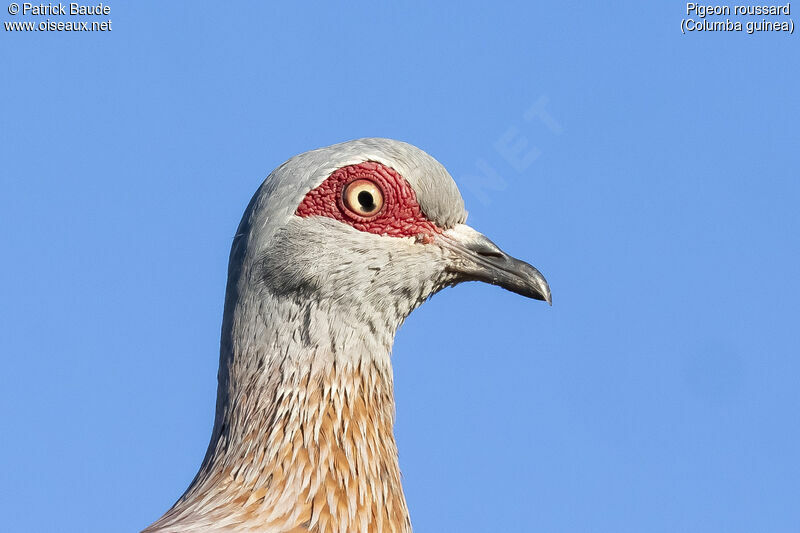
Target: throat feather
(316, 454)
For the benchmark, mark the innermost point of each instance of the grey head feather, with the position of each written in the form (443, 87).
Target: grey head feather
(325, 262)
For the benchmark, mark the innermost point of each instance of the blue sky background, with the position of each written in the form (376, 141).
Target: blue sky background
(659, 195)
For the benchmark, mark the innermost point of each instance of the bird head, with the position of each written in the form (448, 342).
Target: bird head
(370, 226)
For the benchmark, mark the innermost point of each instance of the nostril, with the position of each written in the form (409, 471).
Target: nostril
(489, 253)
(483, 247)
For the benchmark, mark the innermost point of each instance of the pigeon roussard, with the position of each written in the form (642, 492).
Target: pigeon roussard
(335, 249)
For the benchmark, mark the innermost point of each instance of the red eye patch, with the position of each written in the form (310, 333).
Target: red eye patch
(400, 216)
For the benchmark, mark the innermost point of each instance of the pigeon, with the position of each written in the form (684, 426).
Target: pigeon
(335, 249)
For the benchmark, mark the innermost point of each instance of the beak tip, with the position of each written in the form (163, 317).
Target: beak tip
(546, 296)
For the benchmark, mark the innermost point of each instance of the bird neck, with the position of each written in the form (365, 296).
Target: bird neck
(303, 438)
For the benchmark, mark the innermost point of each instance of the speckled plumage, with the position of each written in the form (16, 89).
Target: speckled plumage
(303, 437)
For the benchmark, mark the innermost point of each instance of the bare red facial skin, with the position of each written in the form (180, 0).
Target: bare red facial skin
(400, 216)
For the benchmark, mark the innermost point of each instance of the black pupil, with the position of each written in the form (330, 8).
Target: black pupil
(366, 200)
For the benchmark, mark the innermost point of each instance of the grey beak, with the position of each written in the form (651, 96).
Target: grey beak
(476, 258)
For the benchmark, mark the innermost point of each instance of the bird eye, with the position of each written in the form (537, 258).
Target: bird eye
(363, 198)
